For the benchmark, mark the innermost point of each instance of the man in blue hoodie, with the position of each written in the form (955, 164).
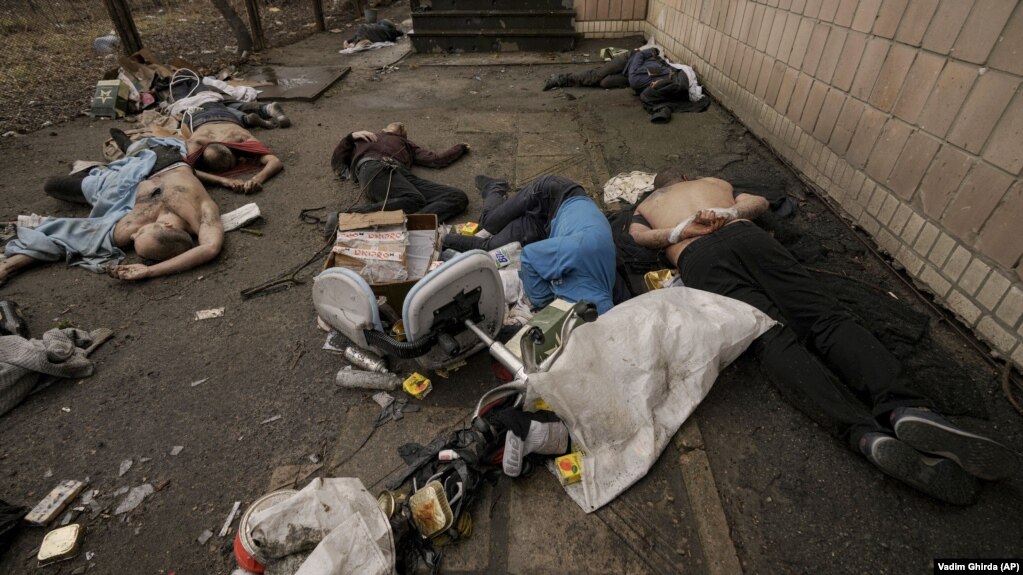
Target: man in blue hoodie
(576, 262)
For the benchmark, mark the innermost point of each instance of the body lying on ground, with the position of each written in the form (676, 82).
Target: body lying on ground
(635, 69)
(715, 247)
(220, 147)
(366, 33)
(381, 163)
(150, 200)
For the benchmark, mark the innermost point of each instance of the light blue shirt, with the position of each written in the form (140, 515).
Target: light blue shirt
(576, 263)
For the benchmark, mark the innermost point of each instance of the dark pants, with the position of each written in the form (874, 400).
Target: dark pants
(607, 76)
(525, 217)
(396, 188)
(744, 262)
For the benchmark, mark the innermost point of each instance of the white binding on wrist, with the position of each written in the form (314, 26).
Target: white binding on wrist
(676, 232)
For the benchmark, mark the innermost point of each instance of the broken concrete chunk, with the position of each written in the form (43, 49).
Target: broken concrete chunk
(177, 449)
(125, 466)
(204, 537)
(134, 498)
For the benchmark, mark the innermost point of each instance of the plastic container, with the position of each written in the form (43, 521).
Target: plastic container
(507, 255)
(11, 320)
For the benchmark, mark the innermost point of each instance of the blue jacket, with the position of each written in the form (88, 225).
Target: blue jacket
(644, 67)
(577, 261)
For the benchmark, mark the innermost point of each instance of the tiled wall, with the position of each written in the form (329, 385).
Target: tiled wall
(610, 18)
(907, 113)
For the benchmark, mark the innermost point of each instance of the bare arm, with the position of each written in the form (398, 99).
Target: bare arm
(12, 265)
(424, 157)
(702, 223)
(272, 165)
(750, 207)
(211, 240)
(229, 183)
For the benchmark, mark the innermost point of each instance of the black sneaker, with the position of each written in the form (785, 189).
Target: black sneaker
(276, 112)
(483, 182)
(937, 477)
(254, 119)
(929, 432)
(552, 82)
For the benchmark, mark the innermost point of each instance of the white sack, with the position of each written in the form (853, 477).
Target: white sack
(625, 383)
(339, 518)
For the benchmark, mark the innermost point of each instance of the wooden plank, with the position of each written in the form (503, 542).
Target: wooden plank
(55, 501)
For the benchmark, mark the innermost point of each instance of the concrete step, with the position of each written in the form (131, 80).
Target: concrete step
(493, 20)
(441, 5)
(479, 40)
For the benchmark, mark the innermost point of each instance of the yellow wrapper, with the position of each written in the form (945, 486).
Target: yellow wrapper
(570, 467)
(469, 229)
(417, 385)
(656, 279)
(542, 405)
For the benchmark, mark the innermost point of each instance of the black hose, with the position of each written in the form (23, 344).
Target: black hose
(402, 349)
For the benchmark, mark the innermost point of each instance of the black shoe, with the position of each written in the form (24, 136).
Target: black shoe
(937, 477)
(67, 188)
(254, 119)
(484, 182)
(555, 81)
(276, 112)
(929, 432)
(121, 139)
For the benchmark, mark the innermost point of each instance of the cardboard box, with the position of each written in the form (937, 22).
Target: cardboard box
(110, 99)
(395, 292)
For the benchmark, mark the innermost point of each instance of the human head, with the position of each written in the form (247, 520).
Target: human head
(218, 158)
(161, 242)
(396, 128)
(668, 176)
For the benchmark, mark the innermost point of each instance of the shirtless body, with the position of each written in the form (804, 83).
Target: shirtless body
(173, 199)
(220, 132)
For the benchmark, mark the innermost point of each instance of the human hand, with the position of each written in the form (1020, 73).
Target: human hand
(236, 186)
(130, 272)
(251, 187)
(705, 222)
(364, 135)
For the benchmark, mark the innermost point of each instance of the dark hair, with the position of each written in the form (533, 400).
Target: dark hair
(167, 243)
(218, 158)
(668, 176)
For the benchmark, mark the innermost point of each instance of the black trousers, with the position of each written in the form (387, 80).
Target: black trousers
(396, 188)
(744, 262)
(524, 217)
(610, 75)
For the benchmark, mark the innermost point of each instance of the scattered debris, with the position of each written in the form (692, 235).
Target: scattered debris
(55, 501)
(89, 555)
(240, 217)
(383, 399)
(125, 466)
(134, 498)
(358, 379)
(66, 409)
(268, 420)
(200, 382)
(204, 314)
(315, 458)
(48, 474)
(447, 370)
(204, 537)
(145, 459)
(119, 492)
(161, 485)
(289, 475)
(230, 518)
(177, 449)
(60, 544)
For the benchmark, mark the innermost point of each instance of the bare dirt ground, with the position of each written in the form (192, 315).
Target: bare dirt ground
(796, 500)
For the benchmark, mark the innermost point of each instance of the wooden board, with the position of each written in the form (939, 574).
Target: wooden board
(305, 84)
(54, 502)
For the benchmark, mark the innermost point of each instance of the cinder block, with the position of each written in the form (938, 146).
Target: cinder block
(956, 264)
(788, 36)
(870, 65)
(976, 199)
(912, 229)
(845, 13)
(1004, 149)
(829, 57)
(982, 29)
(1008, 53)
(891, 204)
(948, 95)
(974, 276)
(912, 164)
(815, 48)
(963, 307)
(942, 248)
(898, 221)
(924, 241)
(943, 178)
(812, 108)
(1011, 308)
(866, 134)
(863, 21)
(915, 21)
(937, 285)
(888, 17)
(887, 149)
(996, 335)
(806, 27)
(889, 80)
(919, 84)
(1000, 237)
(945, 26)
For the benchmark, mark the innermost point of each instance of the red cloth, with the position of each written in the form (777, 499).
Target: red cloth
(249, 151)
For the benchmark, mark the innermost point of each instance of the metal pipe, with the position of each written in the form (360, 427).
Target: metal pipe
(499, 352)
